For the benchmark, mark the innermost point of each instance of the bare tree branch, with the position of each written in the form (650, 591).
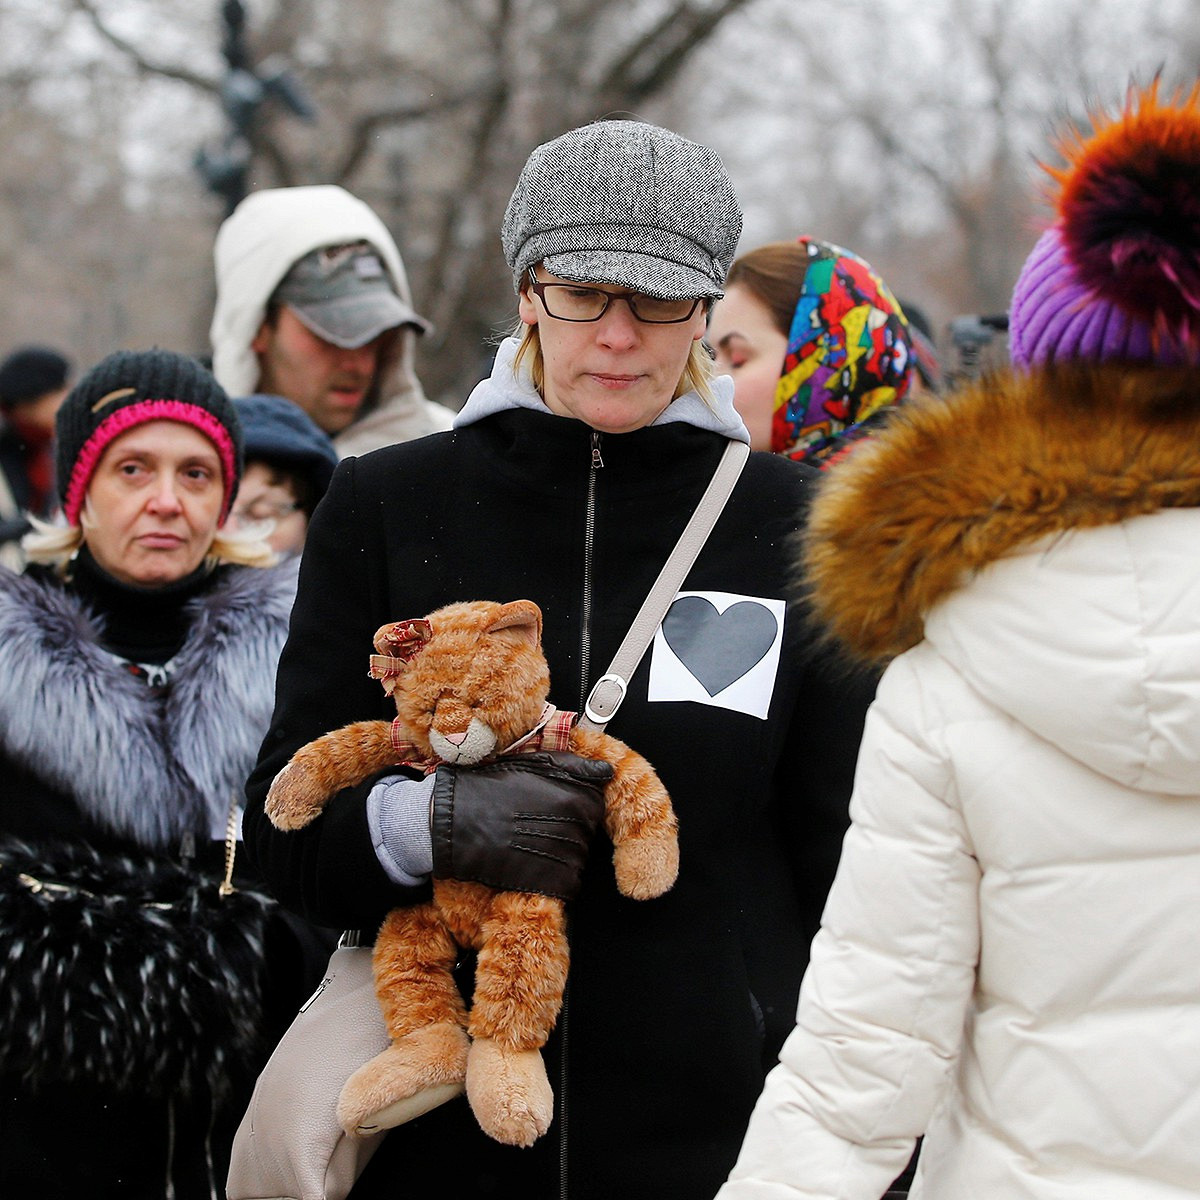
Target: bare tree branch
(365, 127)
(900, 149)
(145, 65)
(894, 146)
(654, 60)
(453, 212)
(263, 143)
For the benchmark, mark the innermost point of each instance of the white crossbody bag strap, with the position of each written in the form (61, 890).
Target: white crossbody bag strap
(606, 697)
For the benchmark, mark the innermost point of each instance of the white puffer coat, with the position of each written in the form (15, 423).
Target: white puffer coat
(1009, 961)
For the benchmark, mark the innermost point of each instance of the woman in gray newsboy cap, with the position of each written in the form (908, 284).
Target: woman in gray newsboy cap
(567, 480)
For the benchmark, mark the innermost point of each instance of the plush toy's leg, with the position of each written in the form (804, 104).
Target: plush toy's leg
(519, 981)
(426, 1063)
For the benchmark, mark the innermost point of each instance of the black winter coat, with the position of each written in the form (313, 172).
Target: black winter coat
(676, 1006)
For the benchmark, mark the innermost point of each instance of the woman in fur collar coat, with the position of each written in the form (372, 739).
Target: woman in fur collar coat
(136, 664)
(1007, 962)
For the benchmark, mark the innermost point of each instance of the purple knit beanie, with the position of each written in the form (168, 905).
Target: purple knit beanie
(1117, 277)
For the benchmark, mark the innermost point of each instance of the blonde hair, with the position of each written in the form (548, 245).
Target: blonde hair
(55, 545)
(697, 374)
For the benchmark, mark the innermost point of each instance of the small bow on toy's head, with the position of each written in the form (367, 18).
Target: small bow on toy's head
(398, 644)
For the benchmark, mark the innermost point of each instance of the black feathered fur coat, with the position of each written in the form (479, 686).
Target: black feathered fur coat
(103, 779)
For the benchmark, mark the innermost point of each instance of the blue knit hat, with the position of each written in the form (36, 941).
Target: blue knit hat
(279, 432)
(30, 372)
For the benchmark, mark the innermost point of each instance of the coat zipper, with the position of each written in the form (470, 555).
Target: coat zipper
(589, 540)
(562, 1093)
(585, 649)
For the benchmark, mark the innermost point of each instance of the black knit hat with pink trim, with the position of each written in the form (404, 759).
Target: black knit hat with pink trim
(127, 389)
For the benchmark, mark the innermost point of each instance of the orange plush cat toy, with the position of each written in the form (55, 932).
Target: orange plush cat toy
(470, 682)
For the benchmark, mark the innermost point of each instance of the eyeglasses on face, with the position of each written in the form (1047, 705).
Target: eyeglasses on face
(577, 302)
(263, 508)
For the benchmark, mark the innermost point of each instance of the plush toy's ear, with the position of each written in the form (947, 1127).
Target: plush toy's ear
(521, 621)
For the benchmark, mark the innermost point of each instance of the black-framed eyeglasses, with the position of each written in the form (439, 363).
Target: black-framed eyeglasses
(577, 302)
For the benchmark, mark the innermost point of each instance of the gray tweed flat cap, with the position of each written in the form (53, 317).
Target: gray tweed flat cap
(627, 203)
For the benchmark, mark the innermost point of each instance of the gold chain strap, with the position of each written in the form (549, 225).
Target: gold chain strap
(226, 887)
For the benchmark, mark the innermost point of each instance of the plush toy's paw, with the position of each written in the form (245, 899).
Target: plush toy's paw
(413, 1075)
(509, 1092)
(647, 866)
(295, 797)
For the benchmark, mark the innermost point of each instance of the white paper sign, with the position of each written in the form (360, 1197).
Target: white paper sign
(720, 649)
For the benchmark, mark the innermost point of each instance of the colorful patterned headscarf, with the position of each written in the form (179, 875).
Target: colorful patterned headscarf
(849, 356)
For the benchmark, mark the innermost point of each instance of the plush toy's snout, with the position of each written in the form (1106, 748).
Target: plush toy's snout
(463, 749)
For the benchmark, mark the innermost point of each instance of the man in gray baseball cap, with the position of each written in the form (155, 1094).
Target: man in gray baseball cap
(313, 305)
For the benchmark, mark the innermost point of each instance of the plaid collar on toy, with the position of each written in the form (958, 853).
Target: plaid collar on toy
(552, 733)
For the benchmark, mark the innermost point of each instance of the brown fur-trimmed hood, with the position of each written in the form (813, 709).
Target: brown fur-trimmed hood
(957, 483)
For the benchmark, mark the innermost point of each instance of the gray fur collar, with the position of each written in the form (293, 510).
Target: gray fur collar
(145, 767)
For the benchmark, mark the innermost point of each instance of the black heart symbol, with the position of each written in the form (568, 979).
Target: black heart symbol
(719, 647)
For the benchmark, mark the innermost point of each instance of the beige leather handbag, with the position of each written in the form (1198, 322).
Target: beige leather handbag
(289, 1145)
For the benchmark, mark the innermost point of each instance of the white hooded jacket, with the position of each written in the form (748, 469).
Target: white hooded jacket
(1009, 960)
(255, 248)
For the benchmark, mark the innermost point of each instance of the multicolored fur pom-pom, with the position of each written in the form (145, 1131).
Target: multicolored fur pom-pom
(1129, 208)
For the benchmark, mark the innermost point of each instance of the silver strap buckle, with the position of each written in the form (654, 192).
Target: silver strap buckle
(605, 698)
